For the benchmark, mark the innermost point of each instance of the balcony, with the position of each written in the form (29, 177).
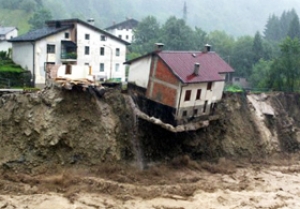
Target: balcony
(69, 55)
(68, 51)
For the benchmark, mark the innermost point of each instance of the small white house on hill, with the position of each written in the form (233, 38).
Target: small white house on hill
(7, 33)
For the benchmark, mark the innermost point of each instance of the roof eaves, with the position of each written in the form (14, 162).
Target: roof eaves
(91, 26)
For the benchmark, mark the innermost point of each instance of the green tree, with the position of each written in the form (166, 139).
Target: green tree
(272, 29)
(294, 28)
(222, 43)
(242, 56)
(257, 48)
(39, 17)
(199, 39)
(286, 68)
(146, 35)
(28, 6)
(176, 35)
(260, 74)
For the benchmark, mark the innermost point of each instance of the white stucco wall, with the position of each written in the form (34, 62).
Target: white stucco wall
(139, 72)
(212, 96)
(4, 46)
(94, 58)
(11, 34)
(77, 72)
(23, 54)
(123, 33)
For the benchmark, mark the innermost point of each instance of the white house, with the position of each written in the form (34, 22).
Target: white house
(124, 30)
(7, 33)
(178, 86)
(70, 41)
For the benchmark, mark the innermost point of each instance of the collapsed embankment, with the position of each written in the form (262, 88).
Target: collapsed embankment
(75, 127)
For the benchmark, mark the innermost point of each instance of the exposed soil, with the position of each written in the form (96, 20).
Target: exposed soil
(70, 149)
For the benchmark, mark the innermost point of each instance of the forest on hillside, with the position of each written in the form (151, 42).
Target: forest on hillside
(235, 17)
(267, 56)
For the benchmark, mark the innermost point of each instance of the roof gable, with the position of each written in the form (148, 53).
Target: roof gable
(182, 64)
(130, 23)
(38, 34)
(5, 30)
(64, 22)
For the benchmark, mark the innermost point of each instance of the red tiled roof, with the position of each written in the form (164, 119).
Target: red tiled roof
(181, 63)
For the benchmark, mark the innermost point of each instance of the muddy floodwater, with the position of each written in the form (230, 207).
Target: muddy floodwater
(193, 185)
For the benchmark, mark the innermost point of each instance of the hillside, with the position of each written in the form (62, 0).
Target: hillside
(18, 18)
(236, 17)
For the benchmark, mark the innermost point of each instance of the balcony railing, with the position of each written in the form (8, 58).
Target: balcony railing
(72, 56)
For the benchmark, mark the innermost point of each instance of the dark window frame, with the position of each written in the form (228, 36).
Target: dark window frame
(51, 48)
(187, 96)
(86, 50)
(118, 52)
(209, 86)
(102, 51)
(198, 95)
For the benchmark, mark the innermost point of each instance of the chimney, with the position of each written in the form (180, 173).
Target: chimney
(207, 48)
(159, 46)
(91, 21)
(196, 68)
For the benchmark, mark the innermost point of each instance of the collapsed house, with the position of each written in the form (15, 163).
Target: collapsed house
(178, 87)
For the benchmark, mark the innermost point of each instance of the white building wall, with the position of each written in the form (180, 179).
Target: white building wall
(138, 76)
(11, 34)
(4, 46)
(110, 59)
(23, 55)
(125, 34)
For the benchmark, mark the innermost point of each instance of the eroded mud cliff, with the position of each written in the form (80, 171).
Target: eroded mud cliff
(76, 127)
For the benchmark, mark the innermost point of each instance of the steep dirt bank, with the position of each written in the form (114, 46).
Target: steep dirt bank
(68, 149)
(74, 127)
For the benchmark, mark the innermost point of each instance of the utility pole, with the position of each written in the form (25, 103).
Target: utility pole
(184, 12)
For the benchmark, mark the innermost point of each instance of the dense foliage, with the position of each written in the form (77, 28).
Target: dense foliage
(268, 61)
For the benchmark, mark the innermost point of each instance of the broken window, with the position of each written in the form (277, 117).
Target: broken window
(187, 96)
(209, 85)
(198, 95)
(205, 105)
(50, 49)
(195, 112)
(68, 70)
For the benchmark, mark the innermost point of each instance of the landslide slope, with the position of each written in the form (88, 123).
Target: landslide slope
(61, 126)
(75, 127)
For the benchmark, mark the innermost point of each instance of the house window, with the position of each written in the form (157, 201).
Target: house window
(187, 96)
(209, 85)
(102, 51)
(184, 113)
(198, 95)
(67, 35)
(86, 50)
(236, 79)
(117, 67)
(120, 36)
(127, 37)
(103, 38)
(101, 67)
(68, 70)
(205, 105)
(195, 112)
(117, 52)
(87, 36)
(87, 64)
(50, 49)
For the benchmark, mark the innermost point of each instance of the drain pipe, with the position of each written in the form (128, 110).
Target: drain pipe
(33, 64)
